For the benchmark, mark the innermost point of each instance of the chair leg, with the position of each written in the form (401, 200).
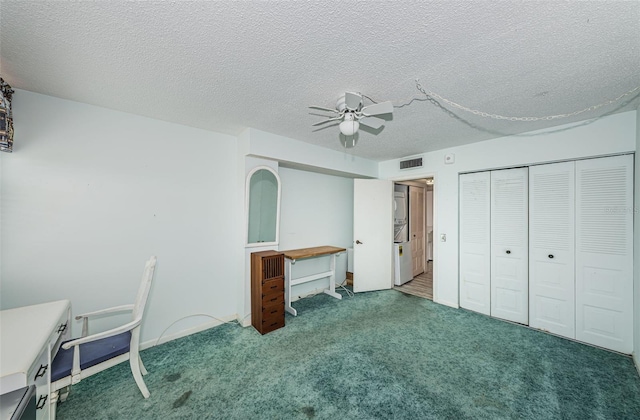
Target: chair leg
(142, 368)
(137, 375)
(64, 393)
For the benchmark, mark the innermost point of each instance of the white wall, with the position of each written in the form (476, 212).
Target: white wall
(636, 250)
(284, 149)
(89, 194)
(250, 163)
(609, 135)
(314, 193)
(317, 210)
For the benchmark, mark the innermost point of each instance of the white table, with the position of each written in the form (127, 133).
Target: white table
(30, 337)
(290, 258)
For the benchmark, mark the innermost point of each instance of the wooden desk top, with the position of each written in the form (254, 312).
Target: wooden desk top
(298, 254)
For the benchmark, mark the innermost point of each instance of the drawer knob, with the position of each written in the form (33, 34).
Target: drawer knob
(550, 255)
(41, 402)
(41, 371)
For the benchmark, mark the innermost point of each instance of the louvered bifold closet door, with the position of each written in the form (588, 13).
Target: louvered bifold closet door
(552, 248)
(604, 252)
(509, 245)
(475, 245)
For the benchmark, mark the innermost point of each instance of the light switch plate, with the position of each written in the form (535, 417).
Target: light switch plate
(443, 237)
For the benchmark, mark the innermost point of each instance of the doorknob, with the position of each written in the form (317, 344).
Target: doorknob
(358, 242)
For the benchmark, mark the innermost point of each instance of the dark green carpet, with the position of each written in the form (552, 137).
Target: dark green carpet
(379, 355)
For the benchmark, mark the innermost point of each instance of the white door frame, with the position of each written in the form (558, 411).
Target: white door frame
(433, 175)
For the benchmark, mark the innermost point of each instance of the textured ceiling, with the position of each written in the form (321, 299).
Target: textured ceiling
(225, 65)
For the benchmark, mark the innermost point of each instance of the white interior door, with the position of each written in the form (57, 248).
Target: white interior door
(509, 245)
(416, 229)
(429, 223)
(604, 252)
(373, 234)
(552, 248)
(475, 244)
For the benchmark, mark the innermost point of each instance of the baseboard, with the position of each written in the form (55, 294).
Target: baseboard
(636, 361)
(198, 328)
(310, 293)
(246, 322)
(445, 303)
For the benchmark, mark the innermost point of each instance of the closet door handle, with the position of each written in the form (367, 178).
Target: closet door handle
(550, 255)
(508, 251)
(358, 242)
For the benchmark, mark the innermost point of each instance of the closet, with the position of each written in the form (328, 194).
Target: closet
(551, 246)
(493, 243)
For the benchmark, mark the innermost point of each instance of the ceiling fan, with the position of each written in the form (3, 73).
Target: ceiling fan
(351, 111)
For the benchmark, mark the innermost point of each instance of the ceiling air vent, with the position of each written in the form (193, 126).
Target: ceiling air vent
(411, 163)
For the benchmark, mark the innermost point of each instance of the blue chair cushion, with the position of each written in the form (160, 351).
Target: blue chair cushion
(91, 354)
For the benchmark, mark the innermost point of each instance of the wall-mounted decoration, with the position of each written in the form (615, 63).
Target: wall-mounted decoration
(263, 207)
(6, 117)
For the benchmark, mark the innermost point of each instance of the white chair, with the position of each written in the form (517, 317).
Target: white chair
(85, 356)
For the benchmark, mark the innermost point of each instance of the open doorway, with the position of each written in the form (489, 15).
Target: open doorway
(413, 237)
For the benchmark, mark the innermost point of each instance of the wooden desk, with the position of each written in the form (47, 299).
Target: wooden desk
(290, 258)
(30, 338)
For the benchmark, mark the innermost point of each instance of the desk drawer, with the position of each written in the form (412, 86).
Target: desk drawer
(39, 376)
(60, 333)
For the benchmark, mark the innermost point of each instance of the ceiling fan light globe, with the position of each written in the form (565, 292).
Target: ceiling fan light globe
(349, 128)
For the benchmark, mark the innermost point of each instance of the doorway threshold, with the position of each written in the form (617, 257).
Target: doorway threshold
(421, 285)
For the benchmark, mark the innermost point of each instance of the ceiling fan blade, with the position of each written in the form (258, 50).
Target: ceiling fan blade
(352, 100)
(324, 109)
(335, 124)
(326, 121)
(376, 109)
(373, 122)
